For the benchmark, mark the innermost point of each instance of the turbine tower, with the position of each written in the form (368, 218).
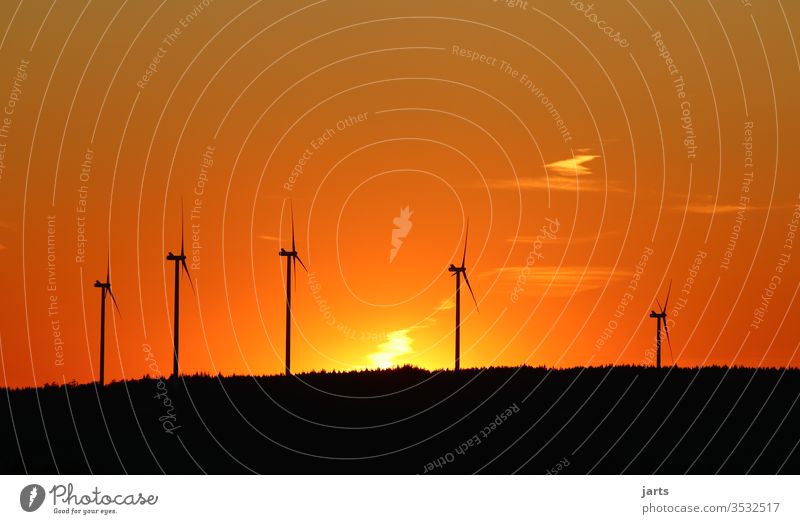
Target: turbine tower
(661, 319)
(105, 289)
(180, 262)
(457, 272)
(291, 260)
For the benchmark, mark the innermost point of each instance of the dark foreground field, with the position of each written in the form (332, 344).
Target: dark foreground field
(501, 420)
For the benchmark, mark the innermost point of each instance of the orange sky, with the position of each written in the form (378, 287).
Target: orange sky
(518, 115)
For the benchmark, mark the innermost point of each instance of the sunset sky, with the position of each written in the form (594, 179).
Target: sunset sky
(598, 153)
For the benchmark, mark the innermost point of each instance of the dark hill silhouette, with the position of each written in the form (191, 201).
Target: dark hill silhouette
(408, 420)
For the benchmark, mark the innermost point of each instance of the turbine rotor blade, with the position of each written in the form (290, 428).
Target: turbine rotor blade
(291, 211)
(108, 269)
(471, 292)
(182, 251)
(297, 258)
(114, 300)
(466, 236)
(189, 276)
(659, 306)
(667, 300)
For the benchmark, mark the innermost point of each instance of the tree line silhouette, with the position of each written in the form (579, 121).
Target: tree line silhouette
(622, 419)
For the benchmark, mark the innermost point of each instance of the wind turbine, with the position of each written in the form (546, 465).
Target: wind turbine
(661, 318)
(291, 260)
(457, 271)
(180, 262)
(105, 288)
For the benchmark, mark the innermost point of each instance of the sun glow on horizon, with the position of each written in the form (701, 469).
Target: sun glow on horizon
(398, 343)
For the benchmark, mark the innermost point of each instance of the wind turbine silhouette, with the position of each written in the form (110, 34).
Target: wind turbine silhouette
(457, 271)
(105, 288)
(180, 261)
(291, 260)
(662, 318)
